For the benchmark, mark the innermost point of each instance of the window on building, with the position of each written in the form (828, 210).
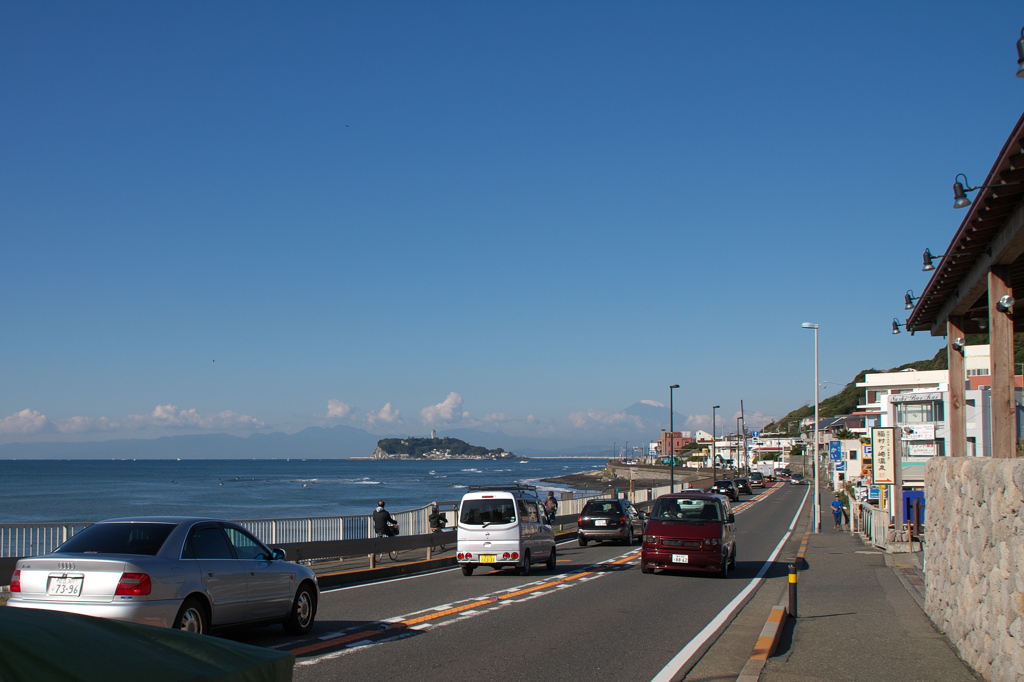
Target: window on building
(978, 372)
(918, 413)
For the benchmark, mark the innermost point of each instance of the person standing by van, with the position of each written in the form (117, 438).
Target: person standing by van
(550, 507)
(383, 522)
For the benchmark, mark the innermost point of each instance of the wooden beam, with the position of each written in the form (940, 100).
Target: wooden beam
(1004, 412)
(956, 419)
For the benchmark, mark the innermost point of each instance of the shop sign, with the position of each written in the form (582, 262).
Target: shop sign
(883, 464)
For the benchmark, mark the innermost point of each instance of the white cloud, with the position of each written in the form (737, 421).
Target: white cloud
(25, 423)
(582, 420)
(338, 410)
(386, 415)
(445, 412)
(162, 417)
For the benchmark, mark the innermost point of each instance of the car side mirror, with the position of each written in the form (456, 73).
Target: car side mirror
(642, 515)
(731, 518)
(277, 554)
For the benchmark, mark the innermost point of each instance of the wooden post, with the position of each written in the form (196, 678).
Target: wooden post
(956, 419)
(1004, 422)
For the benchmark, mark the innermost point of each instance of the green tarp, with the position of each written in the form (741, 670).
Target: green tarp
(39, 646)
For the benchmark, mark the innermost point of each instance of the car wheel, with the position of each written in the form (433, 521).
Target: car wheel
(551, 560)
(723, 572)
(525, 568)
(192, 617)
(467, 569)
(582, 540)
(646, 569)
(300, 620)
(732, 559)
(629, 536)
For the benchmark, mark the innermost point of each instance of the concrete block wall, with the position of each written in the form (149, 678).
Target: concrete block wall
(974, 560)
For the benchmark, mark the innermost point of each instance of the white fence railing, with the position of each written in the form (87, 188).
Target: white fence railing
(875, 525)
(32, 539)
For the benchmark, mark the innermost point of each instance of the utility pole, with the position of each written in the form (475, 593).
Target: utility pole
(743, 421)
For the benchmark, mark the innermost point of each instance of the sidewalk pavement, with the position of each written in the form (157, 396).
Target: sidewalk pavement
(860, 616)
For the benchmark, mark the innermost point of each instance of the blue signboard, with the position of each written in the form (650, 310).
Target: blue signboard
(874, 492)
(908, 505)
(835, 450)
(755, 434)
(840, 465)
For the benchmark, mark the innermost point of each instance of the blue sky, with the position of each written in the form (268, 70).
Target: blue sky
(255, 216)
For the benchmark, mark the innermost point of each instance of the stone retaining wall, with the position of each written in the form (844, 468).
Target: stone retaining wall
(974, 560)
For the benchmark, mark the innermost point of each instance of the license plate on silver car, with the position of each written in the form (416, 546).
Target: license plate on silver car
(64, 586)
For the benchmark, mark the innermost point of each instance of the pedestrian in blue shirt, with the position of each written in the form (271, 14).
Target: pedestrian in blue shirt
(837, 512)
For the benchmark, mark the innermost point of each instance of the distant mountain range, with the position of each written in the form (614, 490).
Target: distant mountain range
(639, 423)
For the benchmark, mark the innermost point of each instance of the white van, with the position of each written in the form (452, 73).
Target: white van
(503, 526)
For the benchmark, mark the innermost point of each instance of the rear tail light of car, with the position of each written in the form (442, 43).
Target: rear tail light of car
(579, 520)
(465, 555)
(133, 585)
(622, 520)
(514, 556)
(16, 581)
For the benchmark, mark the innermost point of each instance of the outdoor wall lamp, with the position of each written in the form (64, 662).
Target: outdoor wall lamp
(958, 344)
(896, 326)
(1020, 55)
(928, 258)
(1005, 304)
(908, 300)
(960, 199)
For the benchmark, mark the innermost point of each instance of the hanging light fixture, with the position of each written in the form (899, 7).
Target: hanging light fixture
(1020, 55)
(896, 326)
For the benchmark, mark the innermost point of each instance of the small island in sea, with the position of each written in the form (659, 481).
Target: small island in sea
(435, 448)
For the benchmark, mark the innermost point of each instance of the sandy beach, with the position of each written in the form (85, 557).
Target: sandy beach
(602, 480)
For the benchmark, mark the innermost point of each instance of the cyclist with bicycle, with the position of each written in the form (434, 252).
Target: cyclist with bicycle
(383, 522)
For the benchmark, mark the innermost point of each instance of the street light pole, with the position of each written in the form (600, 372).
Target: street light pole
(814, 458)
(671, 439)
(714, 439)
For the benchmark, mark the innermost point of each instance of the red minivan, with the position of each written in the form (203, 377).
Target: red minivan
(690, 531)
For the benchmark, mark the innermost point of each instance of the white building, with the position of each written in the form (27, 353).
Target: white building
(917, 404)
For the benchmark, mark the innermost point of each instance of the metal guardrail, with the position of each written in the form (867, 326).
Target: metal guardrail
(875, 524)
(305, 538)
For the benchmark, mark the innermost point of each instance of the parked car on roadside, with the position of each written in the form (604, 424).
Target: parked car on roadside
(192, 574)
(609, 520)
(742, 486)
(690, 530)
(727, 488)
(757, 480)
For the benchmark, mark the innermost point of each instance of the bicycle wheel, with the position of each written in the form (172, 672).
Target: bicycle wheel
(393, 554)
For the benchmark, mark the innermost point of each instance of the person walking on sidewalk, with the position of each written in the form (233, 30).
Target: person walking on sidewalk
(837, 512)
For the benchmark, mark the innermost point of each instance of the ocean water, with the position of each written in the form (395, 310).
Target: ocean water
(39, 491)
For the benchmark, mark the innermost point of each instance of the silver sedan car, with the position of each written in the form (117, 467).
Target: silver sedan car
(193, 574)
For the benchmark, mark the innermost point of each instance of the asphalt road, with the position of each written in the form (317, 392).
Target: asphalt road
(595, 616)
